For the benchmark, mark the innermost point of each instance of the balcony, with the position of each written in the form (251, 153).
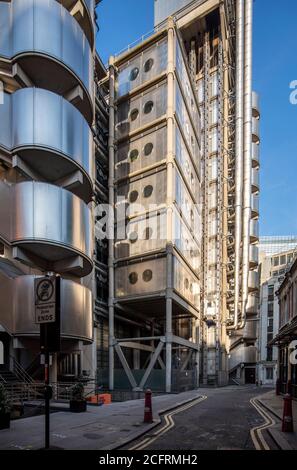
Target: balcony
(256, 105)
(254, 231)
(255, 180)
(253, 283)
(50, 136)
(17, 308)
(52, 51)
(254, 256)
(256, 130)
(255, 206)
(255, 155)
(47, 227)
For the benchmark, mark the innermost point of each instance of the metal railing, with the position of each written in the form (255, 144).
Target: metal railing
(20, 392)
(20, 372)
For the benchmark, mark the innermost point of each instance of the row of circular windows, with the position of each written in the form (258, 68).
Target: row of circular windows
(147, 276)
(147, 150)
(147, 192)
(147, 109)
(147, 67)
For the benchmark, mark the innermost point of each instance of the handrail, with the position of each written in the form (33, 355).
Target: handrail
(20, 372)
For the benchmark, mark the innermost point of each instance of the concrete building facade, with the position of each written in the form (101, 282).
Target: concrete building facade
(272, 270)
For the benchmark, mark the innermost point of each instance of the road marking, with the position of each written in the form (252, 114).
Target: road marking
(169, 424)
(256, 433)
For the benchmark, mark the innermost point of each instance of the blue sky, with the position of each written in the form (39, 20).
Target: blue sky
(275, 67)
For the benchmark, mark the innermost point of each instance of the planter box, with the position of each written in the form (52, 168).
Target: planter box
(5, 421)
(78, 406)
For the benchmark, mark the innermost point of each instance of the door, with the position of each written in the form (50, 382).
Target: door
(250, 375)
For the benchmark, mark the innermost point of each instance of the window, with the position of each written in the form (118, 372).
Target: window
(148, 233)
(134, 114)
(270, 293)
(269, 354)
(270, 325)
(270, 310)
(1, 249)
(269, 373)
(134, 74)
(133, 237)
(283, 260)
(133, 196)
(148, 148)
(148, 107)
(133, 278)
(133, 155)
(147, 275)
(148, 65)
(276, 261)
(148, 191)
(186, 283)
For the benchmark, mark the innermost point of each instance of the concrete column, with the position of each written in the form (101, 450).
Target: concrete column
(136, 353)
(76, 365)
(170, 198)
(111, 151)
(168, 344)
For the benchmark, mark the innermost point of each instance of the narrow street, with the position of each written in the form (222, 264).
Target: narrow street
(222, 420)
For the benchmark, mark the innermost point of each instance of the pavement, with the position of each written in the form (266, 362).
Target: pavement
(100, 428)
(274, 404)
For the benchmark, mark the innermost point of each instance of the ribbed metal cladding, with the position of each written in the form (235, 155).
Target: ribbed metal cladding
(55, 43)
(48, 113)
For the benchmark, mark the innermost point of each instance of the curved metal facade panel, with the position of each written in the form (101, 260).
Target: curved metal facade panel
(254, 230)
(256, 104)
(45, 27)
(250, 330)
(34, 117)
(252, 304)
(255, 155)
(76, 308)
(41, 214)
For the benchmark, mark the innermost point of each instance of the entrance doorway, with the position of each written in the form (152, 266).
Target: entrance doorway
(250, 375)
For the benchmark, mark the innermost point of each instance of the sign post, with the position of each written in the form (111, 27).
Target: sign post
(47, 315)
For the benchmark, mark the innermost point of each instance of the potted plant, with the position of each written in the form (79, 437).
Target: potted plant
(4, 408)
(78, 403)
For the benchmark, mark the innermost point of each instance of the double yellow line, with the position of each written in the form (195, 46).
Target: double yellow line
(169, 424)
(256, 433)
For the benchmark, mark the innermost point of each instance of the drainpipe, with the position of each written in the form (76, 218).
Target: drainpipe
(247, 155)
(238, 151)
(110, 231)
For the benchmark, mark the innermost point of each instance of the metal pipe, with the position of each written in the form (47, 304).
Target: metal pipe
(238, 152)
(111, 150)
(247, 155)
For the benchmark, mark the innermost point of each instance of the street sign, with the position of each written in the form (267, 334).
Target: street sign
(45, 300)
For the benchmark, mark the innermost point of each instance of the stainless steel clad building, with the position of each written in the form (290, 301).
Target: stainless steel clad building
(47, 175)
(184, 171)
